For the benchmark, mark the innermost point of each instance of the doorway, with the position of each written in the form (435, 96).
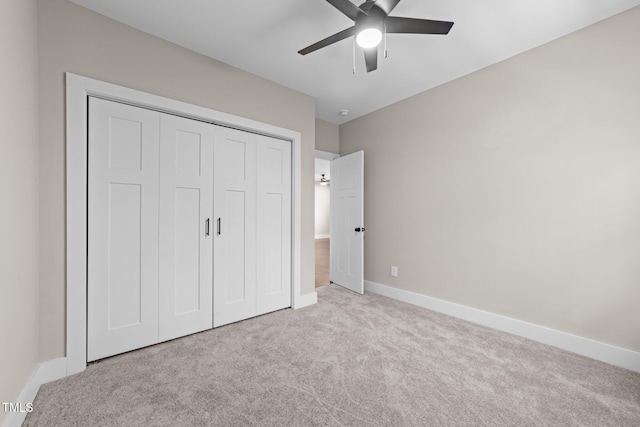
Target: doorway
(341, 238)
(323, 216)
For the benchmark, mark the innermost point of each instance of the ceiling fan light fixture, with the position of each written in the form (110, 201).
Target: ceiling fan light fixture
(369, 37)
(372, 23)
(324, 181)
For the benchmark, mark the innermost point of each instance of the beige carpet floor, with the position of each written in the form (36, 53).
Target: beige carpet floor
(349, 360)
(322, 262)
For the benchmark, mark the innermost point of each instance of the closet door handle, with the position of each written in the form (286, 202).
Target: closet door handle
(206, 227)
(218, 226)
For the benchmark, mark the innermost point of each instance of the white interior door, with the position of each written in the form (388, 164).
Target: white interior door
(235, 211)
(186, 215)
(274, 224)
(347, 222)
(122, 290)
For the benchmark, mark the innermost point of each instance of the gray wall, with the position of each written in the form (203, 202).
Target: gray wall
(19, 192)
(327, 136)
(75, 39)
(516, 189)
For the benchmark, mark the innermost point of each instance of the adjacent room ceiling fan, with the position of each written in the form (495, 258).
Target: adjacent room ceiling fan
(372, 21)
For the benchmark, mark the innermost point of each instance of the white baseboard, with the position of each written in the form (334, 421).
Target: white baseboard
(323, 236)
(43, 373)
(306, 300)
(52, 370)
(607, 353)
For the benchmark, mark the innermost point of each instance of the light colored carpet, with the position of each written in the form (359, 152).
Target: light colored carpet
(322, 262)
(348, 360)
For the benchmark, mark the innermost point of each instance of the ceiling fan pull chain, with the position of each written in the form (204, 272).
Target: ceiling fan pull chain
(385, 41)
(354, 55)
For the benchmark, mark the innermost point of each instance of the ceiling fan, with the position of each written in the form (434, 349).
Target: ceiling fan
(372, 20)
(324, 181)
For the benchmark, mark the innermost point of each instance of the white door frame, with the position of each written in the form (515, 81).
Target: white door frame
(78, 88)
(326, 155)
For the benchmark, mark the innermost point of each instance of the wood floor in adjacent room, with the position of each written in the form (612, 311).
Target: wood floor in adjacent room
(322, 262)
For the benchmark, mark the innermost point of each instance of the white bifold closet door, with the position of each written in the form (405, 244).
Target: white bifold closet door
(150, 202)
(252, 250)
(235, 204)
(122, 291)
(164, 260)
(273, 240)
(186, 243)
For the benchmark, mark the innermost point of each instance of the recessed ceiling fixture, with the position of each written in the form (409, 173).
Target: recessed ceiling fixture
(324, 181)
(371, 23)
(343, 112)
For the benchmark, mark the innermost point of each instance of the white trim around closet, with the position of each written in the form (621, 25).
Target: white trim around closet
(78, 88)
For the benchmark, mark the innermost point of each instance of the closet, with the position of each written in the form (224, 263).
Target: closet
(189, 226)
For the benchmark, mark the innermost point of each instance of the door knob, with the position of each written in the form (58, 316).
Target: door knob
(359, 229)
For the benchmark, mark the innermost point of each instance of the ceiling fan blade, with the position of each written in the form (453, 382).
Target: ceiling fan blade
(346, 7)
(395, 24)
(387, 5)
(329, 40)
(371, 58)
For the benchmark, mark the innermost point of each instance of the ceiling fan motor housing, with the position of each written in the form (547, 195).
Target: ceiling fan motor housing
(373, 18)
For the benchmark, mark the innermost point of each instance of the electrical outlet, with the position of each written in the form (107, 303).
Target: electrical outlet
(394, 271)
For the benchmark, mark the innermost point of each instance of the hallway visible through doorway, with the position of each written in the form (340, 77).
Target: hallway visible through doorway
(323, 215)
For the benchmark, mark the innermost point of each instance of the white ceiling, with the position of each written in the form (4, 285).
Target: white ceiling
(263, 37)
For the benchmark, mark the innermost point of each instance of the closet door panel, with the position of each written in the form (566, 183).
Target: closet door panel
(187, 251)
(186, 209)
(124, 286)
(235, 284)
(274, 224)
(235, 214)
(122, 294)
